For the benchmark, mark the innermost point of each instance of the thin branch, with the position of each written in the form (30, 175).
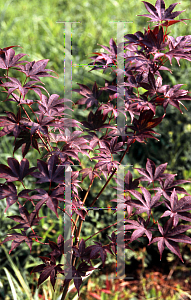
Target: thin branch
(103, 188)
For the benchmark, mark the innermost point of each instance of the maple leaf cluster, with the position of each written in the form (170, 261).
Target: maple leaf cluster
(48, 131)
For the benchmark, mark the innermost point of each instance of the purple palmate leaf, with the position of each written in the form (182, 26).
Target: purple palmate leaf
(48, 269)
(16, 171)
(34, 70)
(144, 204)
(18, 238)
(178, 209)
(152, 174)
(51, 171)
(140, 227)
(158, 13)
(170, 236)
(8, 59)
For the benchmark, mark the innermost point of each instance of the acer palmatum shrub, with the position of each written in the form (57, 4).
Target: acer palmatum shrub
(47, 131)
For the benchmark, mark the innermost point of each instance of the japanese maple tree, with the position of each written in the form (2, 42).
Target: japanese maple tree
(48, 130)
